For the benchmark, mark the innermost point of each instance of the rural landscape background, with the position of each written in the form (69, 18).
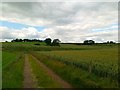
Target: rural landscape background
(59, 45)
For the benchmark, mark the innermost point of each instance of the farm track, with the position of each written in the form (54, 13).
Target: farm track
(29, 80)
(53, 75)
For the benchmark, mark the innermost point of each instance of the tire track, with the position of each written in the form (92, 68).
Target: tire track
(29, 80)
(53, 74)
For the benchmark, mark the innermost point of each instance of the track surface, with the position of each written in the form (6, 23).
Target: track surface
(29, 81)
(53, 75)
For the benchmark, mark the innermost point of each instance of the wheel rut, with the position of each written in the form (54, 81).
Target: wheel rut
(29, 81)
(53, 74)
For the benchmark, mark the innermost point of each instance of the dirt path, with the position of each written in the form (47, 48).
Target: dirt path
(29, 81)
(53, 75)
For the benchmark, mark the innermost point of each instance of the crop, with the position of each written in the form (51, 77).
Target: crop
(103, 63)
(76, 76)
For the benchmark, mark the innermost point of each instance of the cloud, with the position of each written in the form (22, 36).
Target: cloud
(29, 32)
(45, 13)
(70, 22)
(64, 34)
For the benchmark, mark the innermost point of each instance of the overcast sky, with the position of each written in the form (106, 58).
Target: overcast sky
(67, 21)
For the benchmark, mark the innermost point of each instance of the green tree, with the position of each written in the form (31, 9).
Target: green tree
(48, 41)
(88, 42)
(56, 42)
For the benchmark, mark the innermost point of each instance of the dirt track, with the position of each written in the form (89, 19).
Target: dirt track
(29, 81)
(53, 75)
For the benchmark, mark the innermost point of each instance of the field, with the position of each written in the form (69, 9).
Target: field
(67, 66)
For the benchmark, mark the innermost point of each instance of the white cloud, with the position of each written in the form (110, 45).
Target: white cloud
(29, 32)
(65, 35)
(70, 22)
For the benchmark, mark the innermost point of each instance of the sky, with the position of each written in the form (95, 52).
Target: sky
(71, 22)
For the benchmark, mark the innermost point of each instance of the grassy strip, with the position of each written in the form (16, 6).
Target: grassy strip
(77, 77)
(44, 80)
(8, 58)
(12, 75)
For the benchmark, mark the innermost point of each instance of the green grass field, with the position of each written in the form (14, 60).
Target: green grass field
(12, 68)
(83, 66)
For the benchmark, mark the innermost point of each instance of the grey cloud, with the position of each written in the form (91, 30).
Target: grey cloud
(63, 20)
(58, 13)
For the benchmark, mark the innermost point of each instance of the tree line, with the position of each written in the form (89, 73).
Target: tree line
(91, 42)
(56, 42)
(48, 41)
(26, 40)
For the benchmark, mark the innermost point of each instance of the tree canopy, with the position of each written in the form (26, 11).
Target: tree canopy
(56, 42)
(48, 41)
(88, 42)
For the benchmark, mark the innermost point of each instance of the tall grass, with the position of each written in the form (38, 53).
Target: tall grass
(77, 77)
(8, 58)
(103, 63)
(12, 75)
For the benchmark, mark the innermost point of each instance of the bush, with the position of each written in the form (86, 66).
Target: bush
(36, 44)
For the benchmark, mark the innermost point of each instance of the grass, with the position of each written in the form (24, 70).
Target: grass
(43, 79)
(12, 75)
(29, 46)
(105, 55)
(54, 57)
(8, 58)
(0, 69)
(76, 76)
(103, 61)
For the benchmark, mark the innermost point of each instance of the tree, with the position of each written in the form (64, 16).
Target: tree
(48, 41)
(111, 42)
(89, 42)
(20, 40)
(108, 42)
(56, 42)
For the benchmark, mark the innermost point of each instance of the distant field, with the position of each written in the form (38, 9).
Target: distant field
(29, 46)
(80, 65)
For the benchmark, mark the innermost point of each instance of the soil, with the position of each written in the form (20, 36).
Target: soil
(29, 81)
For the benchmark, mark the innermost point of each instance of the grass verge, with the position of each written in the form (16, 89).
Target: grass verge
(12, 75)
(43, 79)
